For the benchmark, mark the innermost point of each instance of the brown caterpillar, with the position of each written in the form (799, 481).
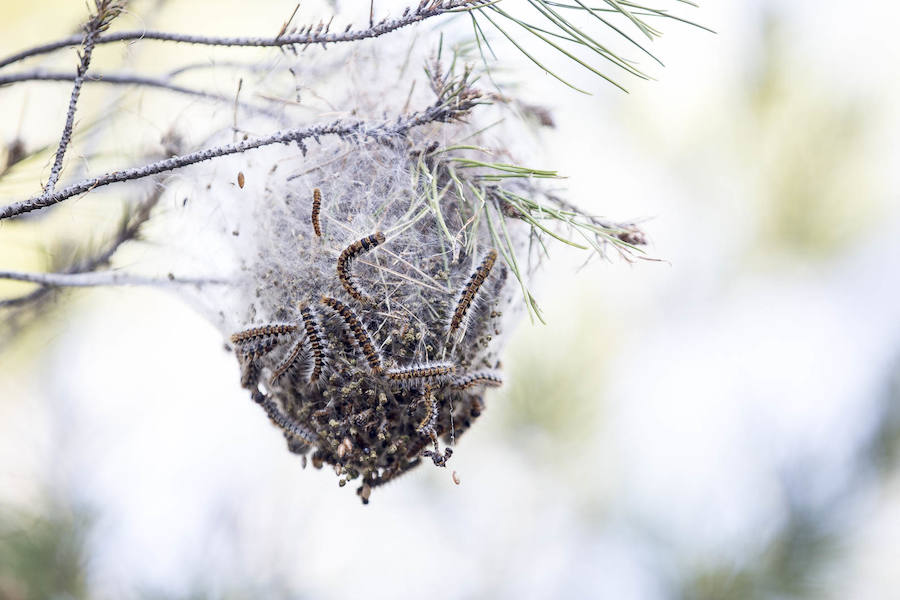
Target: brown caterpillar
(316, 206)
(315, 343)
(284, 422)
(427, 423)
(248, 355)
(467, 295)
(426, 426)
(289, 360)
(346, 259)
(358, 330)
(433, 372)
(263, 331)
(469, 380)
(261, 348)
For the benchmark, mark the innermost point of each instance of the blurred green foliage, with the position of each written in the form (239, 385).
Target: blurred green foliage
(806, 144)
(43, 556)
(789, 568)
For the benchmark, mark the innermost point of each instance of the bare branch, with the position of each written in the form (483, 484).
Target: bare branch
(445, 109)
(103, 278)
(426, 10)
(129, 229)
(130, 79)
(107, 10)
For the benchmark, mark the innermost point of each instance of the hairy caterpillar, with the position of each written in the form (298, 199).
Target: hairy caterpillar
(315, 343)
(467, 295)
(359, 332)
(262, 332)
(261, 348)
(248, 356)
(283, 421)
(316, 206)
(346, 259)
(427, 372)
(469, 380)
(289, 360)
(427, 423)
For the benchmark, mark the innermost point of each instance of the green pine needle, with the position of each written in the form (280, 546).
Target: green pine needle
(550, 22)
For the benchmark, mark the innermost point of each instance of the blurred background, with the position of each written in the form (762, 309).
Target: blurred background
(722, 423)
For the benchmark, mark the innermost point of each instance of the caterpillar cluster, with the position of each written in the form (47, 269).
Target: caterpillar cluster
(377, 354)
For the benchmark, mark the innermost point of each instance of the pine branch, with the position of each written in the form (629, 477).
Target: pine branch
(554, 28)
(427, 9)
(457, 102)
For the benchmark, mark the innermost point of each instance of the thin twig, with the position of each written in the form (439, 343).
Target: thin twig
(130, 229)
(237, 96)
(214, 64)
(425, 10)
(107, 10)
(129, 79)
(103, 278)
(287, 23)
